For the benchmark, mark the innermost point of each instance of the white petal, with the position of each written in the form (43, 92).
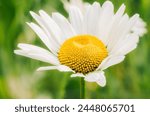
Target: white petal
(52, 37)
(109, 61)
(64, 25)
(76, 19)
(132, 21)
(91, 77)
(129, 49)
(37, 53)
(66, 4)
(105, 21)
(114, 26)
(123, 46)
(76, 3)
(102, 80)
(122, 30)
(51, 25)
(121, 10)
(98, 77)
(117, 30)
(44, 37)
(139, 31)
(91, 19)
(46, 28)
(77, 75)
(140, 27)
(61, 68)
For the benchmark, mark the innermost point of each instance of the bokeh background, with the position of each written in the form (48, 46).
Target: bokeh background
(18, 76)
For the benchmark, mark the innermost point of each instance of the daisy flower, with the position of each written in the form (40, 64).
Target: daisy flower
(139, 28)
(85, 44)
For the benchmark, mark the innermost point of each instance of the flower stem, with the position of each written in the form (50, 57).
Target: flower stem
(82, 88)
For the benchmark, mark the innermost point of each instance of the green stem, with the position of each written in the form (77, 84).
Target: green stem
(82, 88)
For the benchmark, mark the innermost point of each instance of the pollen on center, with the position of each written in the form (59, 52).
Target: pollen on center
(83, 53)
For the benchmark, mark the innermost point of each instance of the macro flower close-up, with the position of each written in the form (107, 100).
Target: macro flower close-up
(86, 43)
(74, 49)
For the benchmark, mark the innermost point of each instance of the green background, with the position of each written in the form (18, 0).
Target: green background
(18, 78)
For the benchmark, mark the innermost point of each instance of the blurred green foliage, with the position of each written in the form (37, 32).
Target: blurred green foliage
(18, 78)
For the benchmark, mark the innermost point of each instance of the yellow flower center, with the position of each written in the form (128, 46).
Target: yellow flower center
(82, 53)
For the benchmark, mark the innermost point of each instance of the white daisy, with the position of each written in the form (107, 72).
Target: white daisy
(86, 44)
(139, 28)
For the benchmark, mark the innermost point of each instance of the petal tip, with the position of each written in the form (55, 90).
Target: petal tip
(31, 12)
(28, 23)
(39, 69)
(101, 83)
(15, 51)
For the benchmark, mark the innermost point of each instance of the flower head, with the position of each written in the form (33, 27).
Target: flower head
(87, 43)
